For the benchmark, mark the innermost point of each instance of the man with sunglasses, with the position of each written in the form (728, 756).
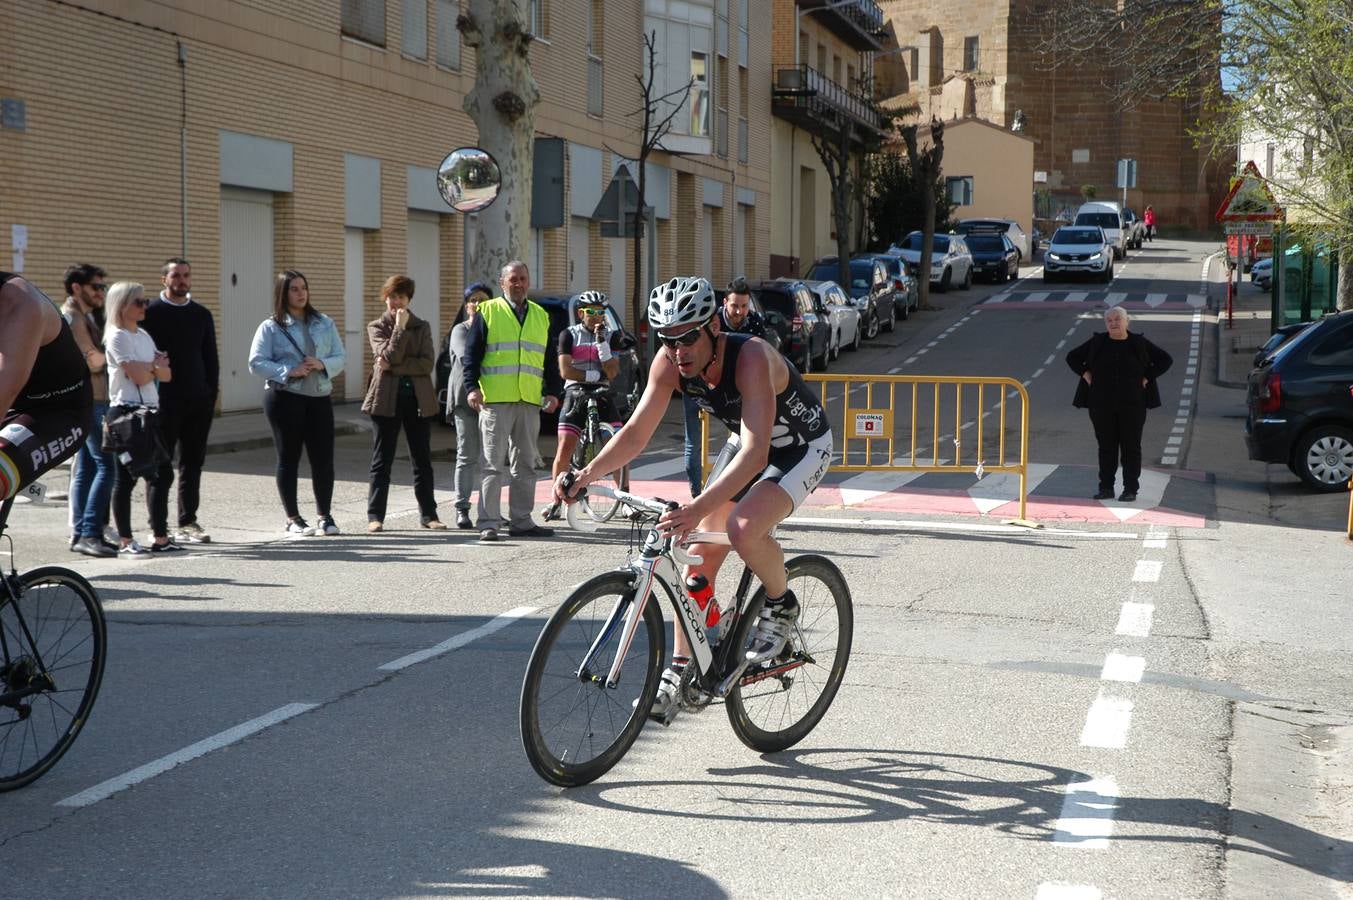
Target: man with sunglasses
(588, 360)
(779, 448)
(91, 479)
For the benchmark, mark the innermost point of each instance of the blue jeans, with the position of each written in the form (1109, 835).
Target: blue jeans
(693, 467)
(91, 481)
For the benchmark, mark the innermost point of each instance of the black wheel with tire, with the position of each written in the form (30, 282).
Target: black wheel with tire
(873, 330)
(906, 307)
(967, 279)
(777, 703)
(855, 345)
(55, 640)
(573, 727)
(891, 325)
(1108, 274)
(805, 362)
(1323, 457)
(945, 279)
(835, 352)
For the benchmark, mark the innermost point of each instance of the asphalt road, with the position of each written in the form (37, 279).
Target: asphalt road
(1082, 710)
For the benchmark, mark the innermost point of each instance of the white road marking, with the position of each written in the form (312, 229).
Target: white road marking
(1036, 297)
(201, 748)
(495, 624)
(894, 370)
(1076, 296)
(1037, 373)
(958, 527)
(1051, 357)
(1155, 542)
(1147, 570)
(1135, 619)
(1087, 814)
(1107, 723)
(1118, 667)
(1154, 300)
(1115, 298)
(1061, 343)
(1058, 890)
(909, 360)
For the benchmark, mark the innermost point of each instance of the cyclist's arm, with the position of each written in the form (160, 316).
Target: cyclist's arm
(22, 329)
(755, 382)
(631, 440)
(568, 370)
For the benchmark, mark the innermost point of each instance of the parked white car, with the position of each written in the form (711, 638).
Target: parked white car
(950, 261)
(1108, 217)
(843, 315)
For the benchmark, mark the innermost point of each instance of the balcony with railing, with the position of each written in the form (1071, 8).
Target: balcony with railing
(857, 22)
(814, 102)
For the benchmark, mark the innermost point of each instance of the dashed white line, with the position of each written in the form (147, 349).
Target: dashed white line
(1119, 667)
(1086, 820)
(1147, 570)
(201, 748)
(460, 640)
(1048, 361)
(1134, 620)
(1107, 723)
(1061, 890)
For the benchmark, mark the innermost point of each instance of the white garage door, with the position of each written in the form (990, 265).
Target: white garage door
(354, 316)
(425, 268)
(246, 290)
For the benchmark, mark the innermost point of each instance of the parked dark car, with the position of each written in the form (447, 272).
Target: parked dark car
(898, 288)
(1300, 405)
(994, 257)
(1284, 334)
(868, 277)
(629, 384)
(799, 318)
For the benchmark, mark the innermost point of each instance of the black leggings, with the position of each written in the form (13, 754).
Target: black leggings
(123, 482)
(418, 433)
(1118, 431)
(297, 421)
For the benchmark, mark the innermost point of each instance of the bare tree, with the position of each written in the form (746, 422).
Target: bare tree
(502, 104)
(655, 123)
(833, 146)
(926, 166)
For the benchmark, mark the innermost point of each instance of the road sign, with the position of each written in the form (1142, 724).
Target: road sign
(1249, 200)
(1254, 229)
(1127, 173)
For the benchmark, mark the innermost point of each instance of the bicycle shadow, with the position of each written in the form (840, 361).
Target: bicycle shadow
(859, 785)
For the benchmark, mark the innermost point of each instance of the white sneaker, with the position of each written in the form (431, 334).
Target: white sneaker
(665, 706)
(192, 533)
(299, 526)
(326, 525)
(132, 549)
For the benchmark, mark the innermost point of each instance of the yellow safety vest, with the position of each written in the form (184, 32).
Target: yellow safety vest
(513, 369)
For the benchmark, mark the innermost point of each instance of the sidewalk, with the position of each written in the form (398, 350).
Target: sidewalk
(1249, 328)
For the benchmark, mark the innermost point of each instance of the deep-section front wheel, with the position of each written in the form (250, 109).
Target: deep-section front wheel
(778, 702)
(54, 640)
(573, 726)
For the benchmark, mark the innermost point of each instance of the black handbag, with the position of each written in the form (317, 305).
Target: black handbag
(132, 435)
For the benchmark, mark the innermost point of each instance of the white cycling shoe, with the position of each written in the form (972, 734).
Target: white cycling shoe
(774, 626)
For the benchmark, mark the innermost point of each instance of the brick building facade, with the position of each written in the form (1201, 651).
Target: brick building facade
(978, 58)
(254, 135)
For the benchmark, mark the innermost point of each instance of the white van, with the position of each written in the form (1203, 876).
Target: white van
(1108, 217)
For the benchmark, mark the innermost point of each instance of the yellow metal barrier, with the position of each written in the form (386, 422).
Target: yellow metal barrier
(935, 412)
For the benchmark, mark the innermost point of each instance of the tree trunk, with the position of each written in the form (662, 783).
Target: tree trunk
(1344, 292)
(637, 294)
(927, 244)
(502, 105)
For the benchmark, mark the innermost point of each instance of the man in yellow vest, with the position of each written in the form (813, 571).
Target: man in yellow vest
(509, 386)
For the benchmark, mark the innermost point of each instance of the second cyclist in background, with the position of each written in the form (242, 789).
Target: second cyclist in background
(588, 356)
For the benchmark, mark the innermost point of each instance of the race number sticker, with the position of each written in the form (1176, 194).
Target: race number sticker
(35, 492)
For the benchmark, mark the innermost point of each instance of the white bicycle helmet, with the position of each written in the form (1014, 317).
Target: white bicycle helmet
(586, 298)
(681, 301)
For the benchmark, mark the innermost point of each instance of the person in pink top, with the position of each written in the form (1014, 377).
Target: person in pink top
(1149, 220)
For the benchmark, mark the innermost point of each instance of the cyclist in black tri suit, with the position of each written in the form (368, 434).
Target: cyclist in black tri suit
(45, 389)
(779, 449)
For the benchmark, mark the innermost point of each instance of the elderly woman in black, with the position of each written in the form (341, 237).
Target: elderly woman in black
(1118, 372)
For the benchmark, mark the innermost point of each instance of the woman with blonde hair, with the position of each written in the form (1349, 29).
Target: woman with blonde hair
(135, 367)
(400, 395)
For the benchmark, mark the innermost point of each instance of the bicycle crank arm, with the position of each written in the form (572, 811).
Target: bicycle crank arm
(723, 687)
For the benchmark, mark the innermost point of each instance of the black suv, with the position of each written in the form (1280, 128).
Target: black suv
(1300, 405)
(993, 256)
(868, 290)
(800, 319)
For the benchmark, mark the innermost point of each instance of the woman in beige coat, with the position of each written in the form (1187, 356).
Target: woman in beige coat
(400, 394)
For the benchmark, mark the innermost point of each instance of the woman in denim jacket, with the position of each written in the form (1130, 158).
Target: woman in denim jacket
(298, 352)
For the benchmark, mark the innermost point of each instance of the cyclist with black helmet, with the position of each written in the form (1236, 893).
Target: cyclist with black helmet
(588, 358)
(779, 448)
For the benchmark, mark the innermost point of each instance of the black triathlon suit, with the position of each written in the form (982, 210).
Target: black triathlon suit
(51, 416)
(801, 438)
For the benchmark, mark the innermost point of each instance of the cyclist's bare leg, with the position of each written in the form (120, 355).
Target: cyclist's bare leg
(713, 556)
(749, 531)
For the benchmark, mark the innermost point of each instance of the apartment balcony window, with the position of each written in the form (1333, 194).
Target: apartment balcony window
(742, 140)
(699, 95)
(859, 24)
(364, 20)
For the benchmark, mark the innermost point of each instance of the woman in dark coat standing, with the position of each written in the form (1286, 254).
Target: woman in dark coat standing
(400, 395)
(1118, 372)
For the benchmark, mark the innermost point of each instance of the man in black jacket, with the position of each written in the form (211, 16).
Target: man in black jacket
(1119, 371)
(186, 331)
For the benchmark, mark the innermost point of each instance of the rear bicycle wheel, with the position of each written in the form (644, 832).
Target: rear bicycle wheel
(573, 727)
(55, 639)
(777, 703)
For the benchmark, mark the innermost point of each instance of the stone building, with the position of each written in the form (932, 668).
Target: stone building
(253, 135)
(978, 58)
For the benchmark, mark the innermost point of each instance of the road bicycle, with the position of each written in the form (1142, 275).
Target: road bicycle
(594, 672)
(53, 640)
(595, 436)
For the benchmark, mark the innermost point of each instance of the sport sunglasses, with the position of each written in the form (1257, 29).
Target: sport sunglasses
(685, 339)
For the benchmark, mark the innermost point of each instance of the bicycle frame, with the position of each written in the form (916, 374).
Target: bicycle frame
(658, 561)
